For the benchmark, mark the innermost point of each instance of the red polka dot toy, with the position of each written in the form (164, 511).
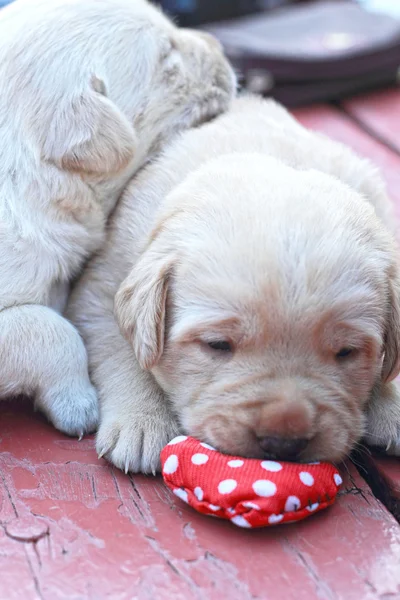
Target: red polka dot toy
(248, 492)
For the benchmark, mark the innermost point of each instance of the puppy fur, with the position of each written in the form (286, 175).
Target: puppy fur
(254, 232)
(90, 90)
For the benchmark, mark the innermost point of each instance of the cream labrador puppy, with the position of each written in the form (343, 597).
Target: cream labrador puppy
(89, 90)
(257, 290)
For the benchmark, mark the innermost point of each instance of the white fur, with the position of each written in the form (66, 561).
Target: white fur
(89, 91)
(255, 230)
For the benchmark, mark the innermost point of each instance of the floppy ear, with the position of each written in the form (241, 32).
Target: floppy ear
(140, 305)
(391, 361)
(89, 133)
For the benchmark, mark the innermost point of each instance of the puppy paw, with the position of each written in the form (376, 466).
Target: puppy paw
(394, 448)
(133, 442)
(383, 419)
(73, 410)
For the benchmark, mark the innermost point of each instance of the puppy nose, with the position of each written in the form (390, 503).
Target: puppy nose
(282, 448)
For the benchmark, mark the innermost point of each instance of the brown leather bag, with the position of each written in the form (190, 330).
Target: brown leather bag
(313, 52)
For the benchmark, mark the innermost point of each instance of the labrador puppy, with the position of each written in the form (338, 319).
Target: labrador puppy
(90, 90)
(256, 294)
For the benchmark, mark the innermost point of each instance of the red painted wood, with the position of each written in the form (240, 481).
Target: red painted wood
(390, 470)
(380, 113)
(72, 527)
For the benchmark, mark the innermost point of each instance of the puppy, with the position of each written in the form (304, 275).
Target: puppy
(90, 89)
(260, 306)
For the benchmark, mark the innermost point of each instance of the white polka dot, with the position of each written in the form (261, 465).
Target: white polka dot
(251, 505)
(171, 464)
(272, 519)
(235, 463)
(271, 465)
(338, 479)
(198, 492)
(214, 507)
(199, 459)
(182, 494)
(312, 507)
(306, 478)
(227, 486)
(206, 446)
(177, 440)
(240, 521)
(231, 511)
(292, 503)
(264, 487)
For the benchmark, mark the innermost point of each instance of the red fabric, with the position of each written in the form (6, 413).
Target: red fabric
(248, 492)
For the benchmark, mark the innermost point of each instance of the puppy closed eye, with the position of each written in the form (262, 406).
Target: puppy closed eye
(345, 354)
(220, 346)
(215, 349)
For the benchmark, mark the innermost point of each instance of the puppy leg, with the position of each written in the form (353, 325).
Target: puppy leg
(42, 355)
(383, 418)
(135, 420)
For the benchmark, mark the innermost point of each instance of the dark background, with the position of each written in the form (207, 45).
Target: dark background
(196, 12)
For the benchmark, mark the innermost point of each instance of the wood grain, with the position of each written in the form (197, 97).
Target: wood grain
(73, 527)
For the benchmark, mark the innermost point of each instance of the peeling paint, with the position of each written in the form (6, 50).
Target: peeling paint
(73, 527)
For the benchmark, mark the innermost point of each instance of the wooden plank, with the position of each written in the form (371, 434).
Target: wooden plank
(383, 473)
(390, 469)
(379, 113)
(72, 527)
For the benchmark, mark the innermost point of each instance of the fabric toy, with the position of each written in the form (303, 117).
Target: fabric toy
(248, 492)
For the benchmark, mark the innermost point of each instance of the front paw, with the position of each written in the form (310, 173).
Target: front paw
(72, 409)
(383, 419)
(133, 442)
(394, 448)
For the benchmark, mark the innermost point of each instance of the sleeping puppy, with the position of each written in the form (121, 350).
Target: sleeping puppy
(90, 89)
(260, 301)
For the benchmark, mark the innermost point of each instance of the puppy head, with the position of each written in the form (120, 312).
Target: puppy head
(266, 305)
(188, 81)
(111, 80)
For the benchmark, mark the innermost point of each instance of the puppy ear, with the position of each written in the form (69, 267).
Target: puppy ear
(140, 305)
(391, 361)
(90, 134)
